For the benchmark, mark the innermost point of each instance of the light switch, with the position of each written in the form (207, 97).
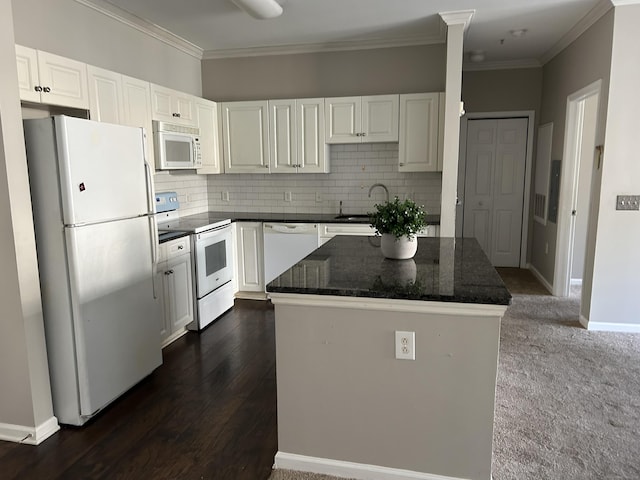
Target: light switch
(628, 202)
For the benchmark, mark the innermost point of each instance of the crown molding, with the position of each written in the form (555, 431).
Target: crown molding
(620, 3)
(326, 47)
(143, 26)
(501, 65)
(586, 22)
(459, 17)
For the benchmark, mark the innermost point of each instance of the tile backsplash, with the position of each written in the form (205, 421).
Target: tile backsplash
(190, 187)
(354, 168)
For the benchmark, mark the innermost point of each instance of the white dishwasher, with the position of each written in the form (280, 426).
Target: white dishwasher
(285, 244)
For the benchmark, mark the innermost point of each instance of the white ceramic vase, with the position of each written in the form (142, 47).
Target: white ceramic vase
(398, 248)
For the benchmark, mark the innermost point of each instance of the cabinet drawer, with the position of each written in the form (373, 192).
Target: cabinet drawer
(174, 248)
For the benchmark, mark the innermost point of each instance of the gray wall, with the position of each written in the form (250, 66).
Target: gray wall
(25, 400)
(586, 60)
(343, 396)
(615, 251)
(358, 72)
(502, 90)
(73, 30)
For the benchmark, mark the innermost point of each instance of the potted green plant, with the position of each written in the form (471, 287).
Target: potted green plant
(398, 222)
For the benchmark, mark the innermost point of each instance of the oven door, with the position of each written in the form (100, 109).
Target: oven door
(214, 262)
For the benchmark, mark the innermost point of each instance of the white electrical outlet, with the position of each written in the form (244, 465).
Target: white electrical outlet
(287, 196)
(405, 345)
(225, 196)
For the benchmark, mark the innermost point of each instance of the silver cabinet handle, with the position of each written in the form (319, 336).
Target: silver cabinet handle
(37, 88)
(46, 89)
(401, 164)
(180, 247)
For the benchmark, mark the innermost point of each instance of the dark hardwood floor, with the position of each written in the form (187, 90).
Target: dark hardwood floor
(209, 412)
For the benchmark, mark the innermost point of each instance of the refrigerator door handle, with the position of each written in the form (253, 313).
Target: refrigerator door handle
(155, 240)
(150, 195)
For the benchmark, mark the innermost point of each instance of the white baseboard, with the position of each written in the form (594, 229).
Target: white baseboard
(609, 327)
(251, 295)
(539, 276)
(338, 468)
(29, 435)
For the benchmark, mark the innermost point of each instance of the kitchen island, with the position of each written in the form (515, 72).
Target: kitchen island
(346, 405)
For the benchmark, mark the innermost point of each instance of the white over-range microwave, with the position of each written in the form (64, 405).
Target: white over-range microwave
(176, 146)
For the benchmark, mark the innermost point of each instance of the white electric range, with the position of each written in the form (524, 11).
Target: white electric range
(212, 256)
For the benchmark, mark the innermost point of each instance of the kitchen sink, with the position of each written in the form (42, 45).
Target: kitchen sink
(358, 216)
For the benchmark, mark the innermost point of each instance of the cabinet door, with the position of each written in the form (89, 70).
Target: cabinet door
(63, 81)
(207, 121)
(162, 104)
(380, 118)
(312, 148)
(282, 136)
(180, 291)
(105, 95)
(343, 120)
(418, 148)
(245, 133)
(250, 253)
(27, 62)
(161, 289)
(184, 105)
(137, 110)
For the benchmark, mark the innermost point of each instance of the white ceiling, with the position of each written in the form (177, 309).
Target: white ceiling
(221, 29)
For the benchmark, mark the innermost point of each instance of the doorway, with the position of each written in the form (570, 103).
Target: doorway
(575, 211)
(493, 185)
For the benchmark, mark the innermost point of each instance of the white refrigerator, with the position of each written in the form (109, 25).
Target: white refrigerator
(96, 238)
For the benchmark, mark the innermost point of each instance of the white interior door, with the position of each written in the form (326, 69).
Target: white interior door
(494, 187)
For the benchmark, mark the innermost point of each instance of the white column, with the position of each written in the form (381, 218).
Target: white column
(457, 23)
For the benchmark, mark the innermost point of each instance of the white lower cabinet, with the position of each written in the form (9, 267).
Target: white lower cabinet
(174, 270)
(249, 256)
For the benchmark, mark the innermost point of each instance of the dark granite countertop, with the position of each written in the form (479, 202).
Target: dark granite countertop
(165, 237)
(297, 217)
(443, 270)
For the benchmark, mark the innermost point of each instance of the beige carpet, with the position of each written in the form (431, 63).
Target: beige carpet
(568, 400)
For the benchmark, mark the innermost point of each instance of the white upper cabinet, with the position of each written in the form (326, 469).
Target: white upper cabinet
(172, 106)
(245, 137)
(136, 96)
(106, 102)
(419, 133)
(207, 121)
(123, 100)
(296, 136)
(47, 78)
(282, 136)
(310, 138)
(362, 119)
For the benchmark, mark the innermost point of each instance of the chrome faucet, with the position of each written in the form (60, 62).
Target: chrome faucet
(386, 190)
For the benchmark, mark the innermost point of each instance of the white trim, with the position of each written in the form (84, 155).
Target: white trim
(339, 468)
(327, 47)
(387, 305)
(29, 435)
(540, 278)
(576, 281)
(462, 165)
(501, 65)
(459, 17)
(251, 295)
(609, 327)
(597, 12)
(621, 3)
(568, 187)
(143, 26)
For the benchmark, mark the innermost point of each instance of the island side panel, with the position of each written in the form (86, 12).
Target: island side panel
(342, 395)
